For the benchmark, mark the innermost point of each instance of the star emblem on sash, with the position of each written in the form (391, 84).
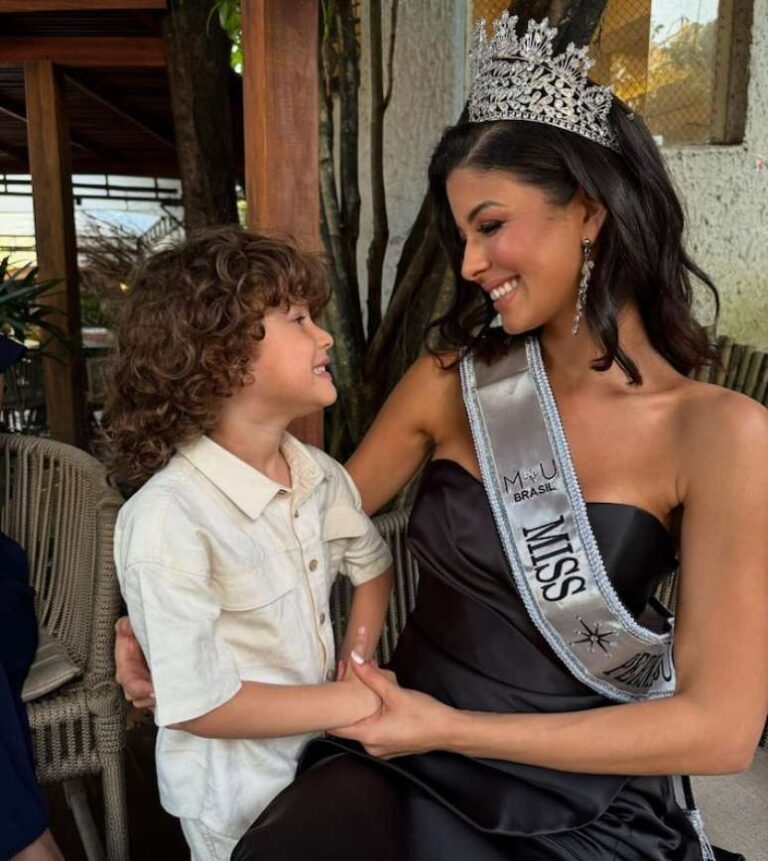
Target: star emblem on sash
(593, 637)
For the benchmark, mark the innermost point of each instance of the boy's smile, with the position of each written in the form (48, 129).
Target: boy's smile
(290, 367)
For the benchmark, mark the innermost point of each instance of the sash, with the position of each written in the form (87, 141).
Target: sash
(542, 521)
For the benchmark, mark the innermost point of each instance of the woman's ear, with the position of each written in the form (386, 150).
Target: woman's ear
(593, 216)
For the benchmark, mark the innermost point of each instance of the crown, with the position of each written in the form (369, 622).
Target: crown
(521, 79)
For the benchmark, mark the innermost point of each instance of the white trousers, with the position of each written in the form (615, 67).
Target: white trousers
(204, 844)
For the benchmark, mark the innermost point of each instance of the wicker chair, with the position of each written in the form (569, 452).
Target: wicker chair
(741, 368)
(58, 506)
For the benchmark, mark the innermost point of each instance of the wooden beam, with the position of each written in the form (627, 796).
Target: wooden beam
(280, 107)
(49, 162)
(13, 109)
(18, 112)
(15, 152)
(731, 73)
(110, 51)
(163, 169)
(280, 92)
(78, 5)
(113, 104)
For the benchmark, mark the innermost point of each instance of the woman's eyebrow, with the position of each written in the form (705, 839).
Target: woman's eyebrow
(480, 206)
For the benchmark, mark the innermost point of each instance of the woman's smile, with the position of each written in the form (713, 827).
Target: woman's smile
(503, 294)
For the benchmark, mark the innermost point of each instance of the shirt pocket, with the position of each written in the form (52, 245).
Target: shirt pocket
(244, 590)
(342, 524)
(260, 618)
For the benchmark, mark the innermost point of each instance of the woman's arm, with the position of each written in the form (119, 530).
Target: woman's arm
(713, 722)
(131, 670)
(418, 414)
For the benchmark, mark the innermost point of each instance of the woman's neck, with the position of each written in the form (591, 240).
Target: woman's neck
(569, 357)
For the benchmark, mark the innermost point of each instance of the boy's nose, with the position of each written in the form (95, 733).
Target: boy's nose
(324, 338)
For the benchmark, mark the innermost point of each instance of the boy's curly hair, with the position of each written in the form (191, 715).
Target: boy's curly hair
(185, 339)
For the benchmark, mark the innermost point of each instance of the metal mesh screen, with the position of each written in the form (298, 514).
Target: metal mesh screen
(660, 56)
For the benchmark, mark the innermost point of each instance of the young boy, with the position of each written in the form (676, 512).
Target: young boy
(227, 553)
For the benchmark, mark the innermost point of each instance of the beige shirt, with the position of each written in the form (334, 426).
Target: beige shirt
(227, 576)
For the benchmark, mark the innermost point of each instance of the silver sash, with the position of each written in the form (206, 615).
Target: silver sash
(542, 520)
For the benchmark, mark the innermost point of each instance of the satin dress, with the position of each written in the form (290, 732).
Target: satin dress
(470, 643)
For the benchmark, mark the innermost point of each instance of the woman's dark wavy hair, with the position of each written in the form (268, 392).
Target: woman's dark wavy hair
(639, 255)
(186, 335)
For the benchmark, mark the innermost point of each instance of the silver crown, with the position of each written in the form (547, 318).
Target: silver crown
(521, 79)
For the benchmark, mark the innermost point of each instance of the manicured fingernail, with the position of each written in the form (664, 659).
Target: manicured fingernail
(357, 658)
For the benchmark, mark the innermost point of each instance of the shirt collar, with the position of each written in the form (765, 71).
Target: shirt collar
(250, 490)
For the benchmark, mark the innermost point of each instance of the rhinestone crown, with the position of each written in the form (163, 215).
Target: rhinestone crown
(521, 79)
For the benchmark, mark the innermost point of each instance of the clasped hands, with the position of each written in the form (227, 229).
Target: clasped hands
(406, 721)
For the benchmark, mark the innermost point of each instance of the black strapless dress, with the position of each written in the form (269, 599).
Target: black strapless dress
(469, 642)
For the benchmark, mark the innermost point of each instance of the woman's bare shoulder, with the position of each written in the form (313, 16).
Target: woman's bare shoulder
(714, 409)
(721, 429)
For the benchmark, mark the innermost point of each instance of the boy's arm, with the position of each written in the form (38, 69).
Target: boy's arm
(368, 563)
(261, 710)
(199, 689)
(370, 601)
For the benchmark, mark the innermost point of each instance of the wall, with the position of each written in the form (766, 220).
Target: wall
(725, 190)
(427, 96)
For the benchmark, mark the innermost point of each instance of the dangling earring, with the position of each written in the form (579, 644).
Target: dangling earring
(586, 274)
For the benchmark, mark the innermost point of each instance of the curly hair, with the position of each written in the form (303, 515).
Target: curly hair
(185, 339)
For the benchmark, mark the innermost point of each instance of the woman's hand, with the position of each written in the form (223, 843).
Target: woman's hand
(365, 703)
(132, 672)
(407, 722)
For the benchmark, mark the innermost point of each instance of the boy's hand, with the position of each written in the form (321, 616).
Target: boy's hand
(132, 672)
(363, 701)
(408, 721)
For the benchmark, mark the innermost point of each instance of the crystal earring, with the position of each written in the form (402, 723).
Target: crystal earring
(586, 274)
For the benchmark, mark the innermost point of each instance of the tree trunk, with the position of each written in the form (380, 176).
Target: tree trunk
(198, 74)
(379, 103)
(579, 22)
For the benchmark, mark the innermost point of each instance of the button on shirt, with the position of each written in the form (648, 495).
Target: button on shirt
(227, 576)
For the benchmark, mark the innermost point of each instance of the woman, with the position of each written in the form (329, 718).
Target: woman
(515, 718)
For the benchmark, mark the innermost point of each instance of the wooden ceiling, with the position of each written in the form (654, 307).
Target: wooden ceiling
(112, 54)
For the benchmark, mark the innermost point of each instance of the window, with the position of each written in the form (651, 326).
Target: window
(682, 64)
